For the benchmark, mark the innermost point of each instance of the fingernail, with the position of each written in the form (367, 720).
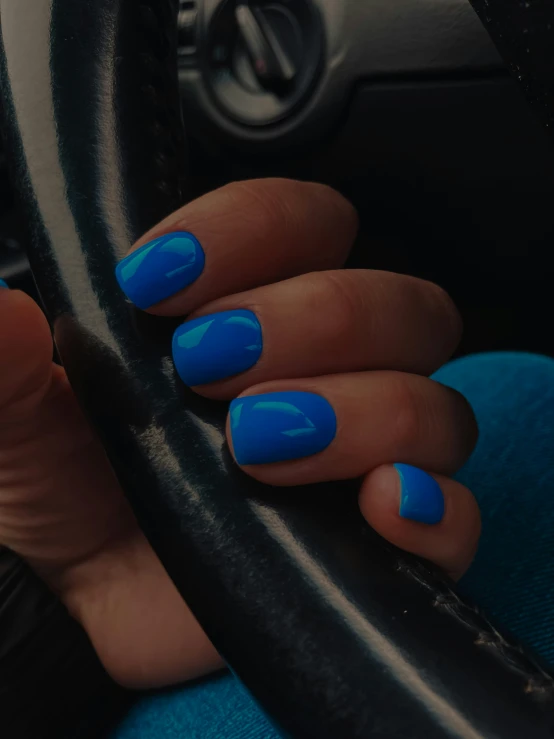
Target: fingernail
(276, 427)
(421, 498)
(3, 283)
(160, 268)
(217, 346)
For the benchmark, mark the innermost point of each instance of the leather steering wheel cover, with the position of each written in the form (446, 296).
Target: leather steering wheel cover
(338, 635)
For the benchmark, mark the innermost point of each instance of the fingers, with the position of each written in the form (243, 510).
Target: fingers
(316, 324)
(355, 425)
(433, 517)
(295, 432)
(25, 353)
(259, 320)
(236, 238)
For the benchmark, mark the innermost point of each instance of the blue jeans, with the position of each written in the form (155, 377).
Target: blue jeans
(511, 473)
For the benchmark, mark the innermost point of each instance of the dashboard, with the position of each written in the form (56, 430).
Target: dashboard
(285, 70)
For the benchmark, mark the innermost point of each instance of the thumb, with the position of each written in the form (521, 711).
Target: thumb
(25, 354)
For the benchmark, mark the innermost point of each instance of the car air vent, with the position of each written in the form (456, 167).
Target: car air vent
(262, 58)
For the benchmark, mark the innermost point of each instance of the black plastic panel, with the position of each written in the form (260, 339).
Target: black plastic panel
(374, 39)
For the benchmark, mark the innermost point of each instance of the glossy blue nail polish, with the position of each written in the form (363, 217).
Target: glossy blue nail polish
(160, 268)
(216, 346)
(3, 283)
(421, 498)
(275, 427)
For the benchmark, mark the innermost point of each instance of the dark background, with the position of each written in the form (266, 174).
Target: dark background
(451, 173)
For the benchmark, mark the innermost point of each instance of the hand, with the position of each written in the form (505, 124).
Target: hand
(353, 348)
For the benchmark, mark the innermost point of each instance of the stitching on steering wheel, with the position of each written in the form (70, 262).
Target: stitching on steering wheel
(538, 683)
(157, 24)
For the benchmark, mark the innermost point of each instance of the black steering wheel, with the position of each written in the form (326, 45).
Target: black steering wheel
(337, 634)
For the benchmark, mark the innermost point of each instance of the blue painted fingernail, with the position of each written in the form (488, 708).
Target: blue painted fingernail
(217, 346)
(160, 268)
(3, 283)
(421, 498)
(276, 427)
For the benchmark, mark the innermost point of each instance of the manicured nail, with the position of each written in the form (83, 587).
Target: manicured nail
(217, 346)
(275, 427)
(3, 283)
(160, 268)
(421, 498)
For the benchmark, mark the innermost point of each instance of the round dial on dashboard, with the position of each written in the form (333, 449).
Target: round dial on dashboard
(263, 57)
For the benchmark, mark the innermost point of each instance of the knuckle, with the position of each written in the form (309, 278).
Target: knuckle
(262, 203)
(314, 217)
(336, 291)
(338, 224)
(466, 427)
(408, 416)
(288, 201)
(336, 202)
(442, 305)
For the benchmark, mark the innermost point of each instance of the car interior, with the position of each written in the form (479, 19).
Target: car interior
(408, 110)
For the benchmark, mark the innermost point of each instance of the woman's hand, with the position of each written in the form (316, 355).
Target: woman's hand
(339, 358)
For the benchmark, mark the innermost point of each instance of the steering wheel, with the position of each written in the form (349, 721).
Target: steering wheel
(337, 634)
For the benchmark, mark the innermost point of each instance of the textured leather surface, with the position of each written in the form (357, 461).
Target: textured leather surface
(337, 634)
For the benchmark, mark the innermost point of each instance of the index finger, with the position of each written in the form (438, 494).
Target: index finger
(242, 236)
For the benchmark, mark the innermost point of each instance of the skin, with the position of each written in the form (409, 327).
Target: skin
(364, 340)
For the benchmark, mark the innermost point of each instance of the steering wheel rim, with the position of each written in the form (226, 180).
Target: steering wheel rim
(93, 119)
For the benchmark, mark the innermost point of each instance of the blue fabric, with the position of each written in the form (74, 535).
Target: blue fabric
(216, 709)
(512, 474)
